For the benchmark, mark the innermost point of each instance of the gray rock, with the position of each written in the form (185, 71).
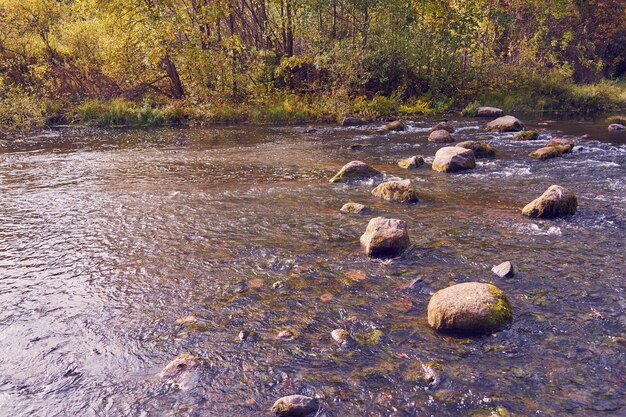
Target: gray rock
(342, 337)
(402, 191)
(469, 308)
(445, 125)
(453, 159)
(353, 208)
(296, 406)
(396, 126)
(355, 170)
(351, 121)
(385, 238)
(504, 270)
(182, 370)
(480, 149)
(489, 112)
(440, 136)
(505, 124)
(616, 127)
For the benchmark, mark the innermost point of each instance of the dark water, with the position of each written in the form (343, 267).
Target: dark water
(108, 237)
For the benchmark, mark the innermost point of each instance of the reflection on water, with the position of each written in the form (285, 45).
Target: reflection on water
(108, 238)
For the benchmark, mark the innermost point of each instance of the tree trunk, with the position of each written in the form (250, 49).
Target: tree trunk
(176, 86)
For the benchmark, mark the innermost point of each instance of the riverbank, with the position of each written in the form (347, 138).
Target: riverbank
(23, 113)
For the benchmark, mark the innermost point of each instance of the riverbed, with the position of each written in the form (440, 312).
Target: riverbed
(109, 237)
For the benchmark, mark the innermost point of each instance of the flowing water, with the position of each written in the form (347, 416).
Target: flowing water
(109, 237)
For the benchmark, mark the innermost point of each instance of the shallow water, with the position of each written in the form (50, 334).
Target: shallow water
(108, 237)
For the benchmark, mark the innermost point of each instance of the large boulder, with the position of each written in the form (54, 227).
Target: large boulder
(396, 126)
(616, 127)
(402, 191)
(413, 162)
(445, 125)
(385, 238)
(548, 152)
(489, 112)
(296, 406)
(480, 149)
(505, 124)
(453, 159)
(469, 308)
(440, 136)
(355, 170)
(556, 201)
(351, 121)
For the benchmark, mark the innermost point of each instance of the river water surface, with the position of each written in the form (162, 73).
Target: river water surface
(109, 237)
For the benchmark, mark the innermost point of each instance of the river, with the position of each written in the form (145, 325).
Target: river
(109, 237)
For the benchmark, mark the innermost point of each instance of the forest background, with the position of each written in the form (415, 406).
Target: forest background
(157, 62)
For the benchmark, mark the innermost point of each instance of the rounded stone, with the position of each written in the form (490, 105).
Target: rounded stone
(445, 125)
(396, 126)
(527, 135)
(413, 162)
(402, 191)
(616, 127)
(505, 124)
(440, 136)
(295, 406)
(385, 238)
(469, 308)
(355, 170)
(353, 208)
(453, 159)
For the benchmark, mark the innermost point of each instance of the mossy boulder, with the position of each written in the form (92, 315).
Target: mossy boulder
(480, 149)
(353, 208)
(445, 125)
(385, 238)
(402, 191)
(548, 152)
(616, 127)
(469, 308)
(395, 126)
(527, 135)
(355, 170)
(440, 136)
(351, 121)
(489, 112)
(505, 124)
(556, 201)
(569, 143)
(453, 159)
(413, 162)
(296, 406)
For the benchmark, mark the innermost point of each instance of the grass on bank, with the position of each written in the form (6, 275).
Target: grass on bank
(20, 111)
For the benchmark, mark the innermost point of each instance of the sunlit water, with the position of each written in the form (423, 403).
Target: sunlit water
(108, 237)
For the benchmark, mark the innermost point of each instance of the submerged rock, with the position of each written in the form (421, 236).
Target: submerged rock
(396, 126)
(556, 201)
(353, 208)
(413, 162)
(440, 136)
(616, 127)
(469, 308)
(342, 337)
(296, 406)
(285, 334)
(504, 270)
(355, 170)
(181, 369)
(453, 159)
(351, 121)
(445, 125)
(489, 112)
(480, 149)
(548, 152)
(561, 142)
(527, 135)
(385, 238)
(403, 191)
(505, 124)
